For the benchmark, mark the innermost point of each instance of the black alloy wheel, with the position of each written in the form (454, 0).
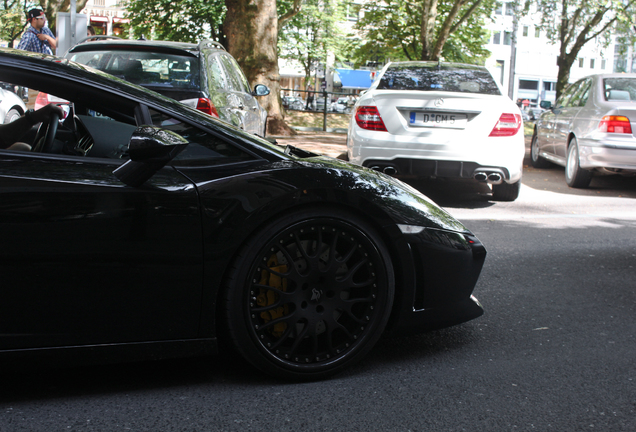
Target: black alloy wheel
(310, 294)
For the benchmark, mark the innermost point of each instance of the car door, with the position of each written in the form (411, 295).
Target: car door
(86, 259)
(566, 115)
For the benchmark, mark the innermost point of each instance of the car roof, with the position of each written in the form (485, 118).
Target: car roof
(143, 45)
(445, 65)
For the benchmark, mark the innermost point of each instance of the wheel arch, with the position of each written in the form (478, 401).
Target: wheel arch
(386, 229)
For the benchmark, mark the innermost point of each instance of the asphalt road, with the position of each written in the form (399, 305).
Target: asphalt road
(554, 351)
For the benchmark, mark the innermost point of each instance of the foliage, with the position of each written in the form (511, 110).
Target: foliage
(392, 30)
(184, 21)
(573, 23)
(313, 34)
(12, 20)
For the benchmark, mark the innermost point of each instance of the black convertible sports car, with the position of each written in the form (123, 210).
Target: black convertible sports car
(139, 228)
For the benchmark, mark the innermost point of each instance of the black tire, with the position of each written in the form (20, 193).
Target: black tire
(575, 176)
(12, 115)
(313, 319)
(536, 160)
(506, 191)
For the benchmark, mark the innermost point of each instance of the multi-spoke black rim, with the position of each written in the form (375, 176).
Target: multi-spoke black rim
(316, 292)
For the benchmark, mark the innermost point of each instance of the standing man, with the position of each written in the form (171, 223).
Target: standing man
(38, 38)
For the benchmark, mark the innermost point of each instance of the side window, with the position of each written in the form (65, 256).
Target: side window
(203, 148)
(96, 124)
(216, 75)
(235, 75)
(579, 99)
(564, 100)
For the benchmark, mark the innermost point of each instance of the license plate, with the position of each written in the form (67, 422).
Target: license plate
(443, 120)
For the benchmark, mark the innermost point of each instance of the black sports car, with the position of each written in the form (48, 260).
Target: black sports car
(138, 228)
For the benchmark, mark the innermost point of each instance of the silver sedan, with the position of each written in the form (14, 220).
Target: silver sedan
(590, 129)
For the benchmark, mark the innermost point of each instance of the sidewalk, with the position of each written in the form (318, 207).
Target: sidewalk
(325, 143)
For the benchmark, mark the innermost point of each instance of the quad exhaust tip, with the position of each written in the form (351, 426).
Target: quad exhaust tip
(387, 169)
(491, 177)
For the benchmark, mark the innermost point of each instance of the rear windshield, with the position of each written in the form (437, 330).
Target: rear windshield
(435, 77)
(620, 89)
(146, 68)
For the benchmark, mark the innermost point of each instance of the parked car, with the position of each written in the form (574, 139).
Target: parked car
(11, 105)
(293, 103)
(534, 113)
(342, 105)
(435, 119)
(202, 75)
(318, 104)
(141, 228)
(590, 129)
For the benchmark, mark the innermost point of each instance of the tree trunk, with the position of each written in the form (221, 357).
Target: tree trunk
(251, 27)
(427, 31)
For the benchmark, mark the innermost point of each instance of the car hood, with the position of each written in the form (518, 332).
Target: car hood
(403, 204)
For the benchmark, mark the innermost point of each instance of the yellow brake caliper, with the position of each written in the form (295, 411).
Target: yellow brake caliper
(267, 297)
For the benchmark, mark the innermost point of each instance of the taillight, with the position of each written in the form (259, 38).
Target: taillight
(368, 117)
(507, 125)
(615, 124)
(206, 105)
(41, 100)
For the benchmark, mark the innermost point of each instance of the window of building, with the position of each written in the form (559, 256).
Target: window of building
(528, 84)
(509, 8)
(525, 31)
(549, 86)
(581, 62)
(500, 69)
(507, 38)
(537, 32)
(603, 64)
(496, 38)
(499, 8)
(592, 61)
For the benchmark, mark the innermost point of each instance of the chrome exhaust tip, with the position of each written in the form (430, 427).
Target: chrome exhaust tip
(481, 176)
(390, 170)
(494, 178)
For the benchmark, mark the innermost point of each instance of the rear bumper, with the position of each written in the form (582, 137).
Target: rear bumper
(410, 156)
(616, 154)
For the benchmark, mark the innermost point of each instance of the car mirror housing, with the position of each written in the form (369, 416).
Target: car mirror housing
(261, 90)
(545, 104)
(150, 149)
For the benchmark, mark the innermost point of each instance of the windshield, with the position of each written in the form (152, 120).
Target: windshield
(150, 69)
(434, 77)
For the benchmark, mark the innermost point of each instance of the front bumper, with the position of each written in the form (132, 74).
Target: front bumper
(446, 267)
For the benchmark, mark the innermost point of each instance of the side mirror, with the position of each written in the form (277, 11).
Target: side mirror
(150, 149)
(260, 90)
(545, 104)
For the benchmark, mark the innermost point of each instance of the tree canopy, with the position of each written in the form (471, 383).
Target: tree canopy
(313, 34)
(424, 30)
(183, 21)
(573, 23)
(12, 20)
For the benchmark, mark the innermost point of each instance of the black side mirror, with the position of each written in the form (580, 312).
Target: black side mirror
(260, 90)
(150, 149)
(545, 104)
